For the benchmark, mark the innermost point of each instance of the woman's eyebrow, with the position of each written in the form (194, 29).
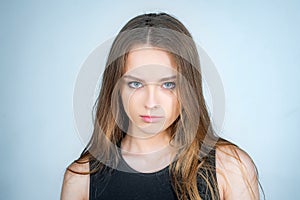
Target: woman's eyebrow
(162, 79)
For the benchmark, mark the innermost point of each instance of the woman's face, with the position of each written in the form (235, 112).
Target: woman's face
(148, 91)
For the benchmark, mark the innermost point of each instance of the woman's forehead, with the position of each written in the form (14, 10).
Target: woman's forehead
(151, 73)
(149, 66)
(151, 56)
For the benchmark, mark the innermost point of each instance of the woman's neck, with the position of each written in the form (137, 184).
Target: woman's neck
(134, 143)
(147, 154)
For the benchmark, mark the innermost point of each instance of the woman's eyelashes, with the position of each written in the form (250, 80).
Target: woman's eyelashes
(165, 85)
(135, 84)
(169, 85)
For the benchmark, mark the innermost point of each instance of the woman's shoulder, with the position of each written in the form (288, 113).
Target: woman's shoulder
(236, 172)
(229, 153)
(76, 181)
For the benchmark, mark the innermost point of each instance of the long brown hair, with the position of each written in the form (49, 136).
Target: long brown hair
(191, 132)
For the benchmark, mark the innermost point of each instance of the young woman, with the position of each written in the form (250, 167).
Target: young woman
(152, 135)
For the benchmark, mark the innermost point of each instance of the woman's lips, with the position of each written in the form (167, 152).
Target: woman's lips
(151, 119)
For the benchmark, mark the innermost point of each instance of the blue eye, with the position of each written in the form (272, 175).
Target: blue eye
(135, 84)
(169, 85)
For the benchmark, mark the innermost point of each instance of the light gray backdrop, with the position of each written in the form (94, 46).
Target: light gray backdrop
(254, 45)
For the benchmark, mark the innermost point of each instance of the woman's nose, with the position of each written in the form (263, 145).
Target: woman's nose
(151, 97)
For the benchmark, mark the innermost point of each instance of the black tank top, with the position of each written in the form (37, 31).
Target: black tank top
(123, 185)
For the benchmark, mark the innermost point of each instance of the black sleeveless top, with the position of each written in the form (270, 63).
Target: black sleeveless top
(125, 185)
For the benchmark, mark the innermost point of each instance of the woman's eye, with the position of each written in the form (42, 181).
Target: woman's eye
(169, 85)
(135, 84)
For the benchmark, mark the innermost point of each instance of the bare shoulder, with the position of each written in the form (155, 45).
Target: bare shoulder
(75, 185)
(229, 156)
(236, 173)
